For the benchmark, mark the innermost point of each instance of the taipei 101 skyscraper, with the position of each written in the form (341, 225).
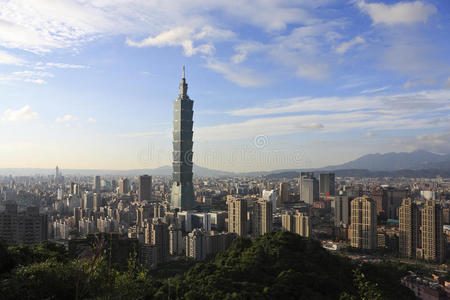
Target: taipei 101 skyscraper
(182, 189)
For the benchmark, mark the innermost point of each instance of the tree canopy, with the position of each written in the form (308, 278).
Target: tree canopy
(276, 265)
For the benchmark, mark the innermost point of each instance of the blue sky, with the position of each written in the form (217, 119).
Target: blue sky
(276, 84)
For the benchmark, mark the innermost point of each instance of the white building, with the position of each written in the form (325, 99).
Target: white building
(270, 196)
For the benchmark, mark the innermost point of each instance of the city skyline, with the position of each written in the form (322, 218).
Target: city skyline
(90, 86)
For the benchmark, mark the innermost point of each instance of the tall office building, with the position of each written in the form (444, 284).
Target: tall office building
(237, 216)
(327, 186)
(309, 188)
(182, 189)
(124, 186)
(262, 217)
(59, 179)
(363, 227)
(408, 230)
(97, 184)
(341, 210)
(145, 188)
(433, 246)
(284, 192)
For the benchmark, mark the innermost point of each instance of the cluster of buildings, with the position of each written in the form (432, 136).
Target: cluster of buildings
(163, 218)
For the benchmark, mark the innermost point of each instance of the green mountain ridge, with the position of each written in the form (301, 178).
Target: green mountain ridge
(278, 265)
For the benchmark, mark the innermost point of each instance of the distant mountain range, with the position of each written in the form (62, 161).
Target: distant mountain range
(408, 164)
(397, 161)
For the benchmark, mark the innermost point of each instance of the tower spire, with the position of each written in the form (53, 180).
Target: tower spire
(183, 85)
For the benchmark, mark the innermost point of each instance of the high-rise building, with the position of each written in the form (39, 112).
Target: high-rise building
(124, 186)
(298, 223)
(59, 179)
(176, 246)
(388, 200)
(148, 256)
(341, 210)
(97, 201)
(363, 227)
(145, 188)
(196, 244)
(217, 242)
(28, 227)
(284, 192)
(271, 196)
(288, 222)
(74, 188)
(237, 216)
(433, 246)
(157, 234)
(182, 196)
(143, 214)
(408, 230)
(302, 224)
(327, 186)
(309, 188)
(87, 202)
(262, 217)
(97, 184)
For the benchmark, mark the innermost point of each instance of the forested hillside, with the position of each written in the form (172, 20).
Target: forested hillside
(278, 265)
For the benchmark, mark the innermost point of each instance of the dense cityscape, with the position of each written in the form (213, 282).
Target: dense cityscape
(304, 155)
(163, 219)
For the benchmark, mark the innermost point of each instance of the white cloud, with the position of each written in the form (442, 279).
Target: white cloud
(305, 50)
(436, 142)
(398, 13)
(30, 76)
(241, 76)
(415, 83)
(66, 66)
(186, 37)
(314, 125)
(243, 49)
(345, 46)
(91, 120)
(409, 111)
(332, 122)
(65, 119)
(22, 114)
(312, 70)
(376, 90)
(400, 105)
(44, 25)
(8, 59)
